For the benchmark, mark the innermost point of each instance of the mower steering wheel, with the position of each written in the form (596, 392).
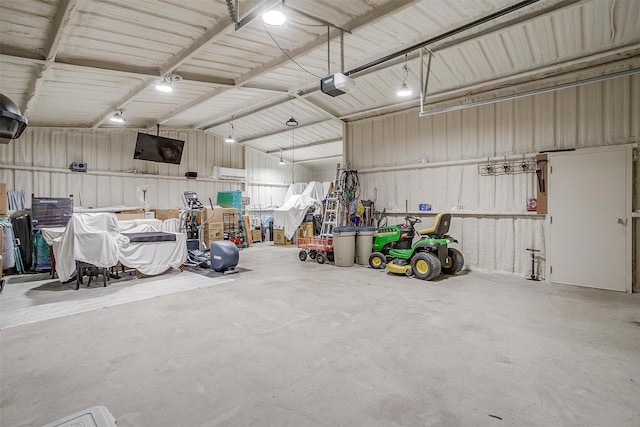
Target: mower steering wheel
(413, 220)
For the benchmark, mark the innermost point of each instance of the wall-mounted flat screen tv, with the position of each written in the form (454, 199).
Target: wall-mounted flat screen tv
(158, 149)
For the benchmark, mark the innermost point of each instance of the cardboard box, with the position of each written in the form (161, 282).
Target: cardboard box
(216, 213)
(129, 216)
(279, 239)
(163, 214)
(3, 199)
(306, 230)
(213, 231)
(132, 211)
(256, 235)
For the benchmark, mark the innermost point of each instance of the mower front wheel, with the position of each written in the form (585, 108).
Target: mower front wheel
(455, 261)
(377, 260)
(426, 265)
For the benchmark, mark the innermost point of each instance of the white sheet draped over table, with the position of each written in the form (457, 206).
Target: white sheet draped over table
(96, 238)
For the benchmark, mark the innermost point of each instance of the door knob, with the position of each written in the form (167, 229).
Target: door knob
(621, 221)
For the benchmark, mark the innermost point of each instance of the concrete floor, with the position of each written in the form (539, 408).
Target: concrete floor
(302, 344)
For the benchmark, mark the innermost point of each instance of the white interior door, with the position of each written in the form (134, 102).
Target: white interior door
(590, 219)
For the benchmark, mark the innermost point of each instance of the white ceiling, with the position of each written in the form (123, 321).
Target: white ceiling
(72, 63)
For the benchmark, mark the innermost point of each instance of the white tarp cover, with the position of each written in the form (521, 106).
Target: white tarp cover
(315, 190)
(91, 238)
(294, 189)
(153, 258)
(94, 238)
(291, 214)
(126, 225)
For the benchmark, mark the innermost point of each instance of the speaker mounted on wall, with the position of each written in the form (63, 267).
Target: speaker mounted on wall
(78, 167)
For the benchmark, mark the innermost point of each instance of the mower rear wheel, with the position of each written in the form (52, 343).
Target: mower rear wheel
(302, 255)
(455, 261)
(377, 260)
(320, 258)
(426, 265)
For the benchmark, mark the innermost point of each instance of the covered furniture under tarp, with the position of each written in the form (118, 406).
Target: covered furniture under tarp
(292, 213)
(147, 257)
(153, 257)
(91, 239)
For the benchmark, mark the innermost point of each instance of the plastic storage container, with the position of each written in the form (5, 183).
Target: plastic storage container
(344, 246)
(364, 242)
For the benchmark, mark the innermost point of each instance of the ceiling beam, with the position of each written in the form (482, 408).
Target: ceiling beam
(64, 14)
(315, 159)
(281, 131)
(211, 35)
(244, 113)
(313, 144)
(123, 70)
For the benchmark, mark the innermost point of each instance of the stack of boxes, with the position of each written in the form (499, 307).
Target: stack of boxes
(306, 231)
(213, 229)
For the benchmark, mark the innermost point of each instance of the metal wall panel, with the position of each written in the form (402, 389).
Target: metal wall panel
(263, 169)
(493, 227)
(109, 153)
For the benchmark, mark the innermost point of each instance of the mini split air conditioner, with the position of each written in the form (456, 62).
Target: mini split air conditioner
(230, 174)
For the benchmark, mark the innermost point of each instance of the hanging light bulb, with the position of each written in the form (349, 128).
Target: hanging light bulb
(165, 85)
(230, 138)
(404, 90)
(281, 161)
(118, 117)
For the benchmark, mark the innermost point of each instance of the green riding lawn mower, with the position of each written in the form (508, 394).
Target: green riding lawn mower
(394, 249)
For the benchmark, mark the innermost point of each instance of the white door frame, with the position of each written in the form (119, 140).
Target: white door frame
(629, 148)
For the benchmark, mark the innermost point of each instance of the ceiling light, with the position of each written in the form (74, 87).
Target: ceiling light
(118, 117)
(167, 81)
(230, 138)
(404, 90)
(291, 122)
(274, 17)
(281, 161)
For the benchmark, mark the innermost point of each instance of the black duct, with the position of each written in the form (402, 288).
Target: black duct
(12, 122)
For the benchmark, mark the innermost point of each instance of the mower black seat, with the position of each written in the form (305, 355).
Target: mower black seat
(440, 226)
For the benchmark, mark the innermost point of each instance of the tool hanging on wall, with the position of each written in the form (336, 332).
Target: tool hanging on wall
(540, 175)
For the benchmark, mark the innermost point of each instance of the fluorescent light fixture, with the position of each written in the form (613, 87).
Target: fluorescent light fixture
(274, 18)
(118, 117)
(404, 91)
